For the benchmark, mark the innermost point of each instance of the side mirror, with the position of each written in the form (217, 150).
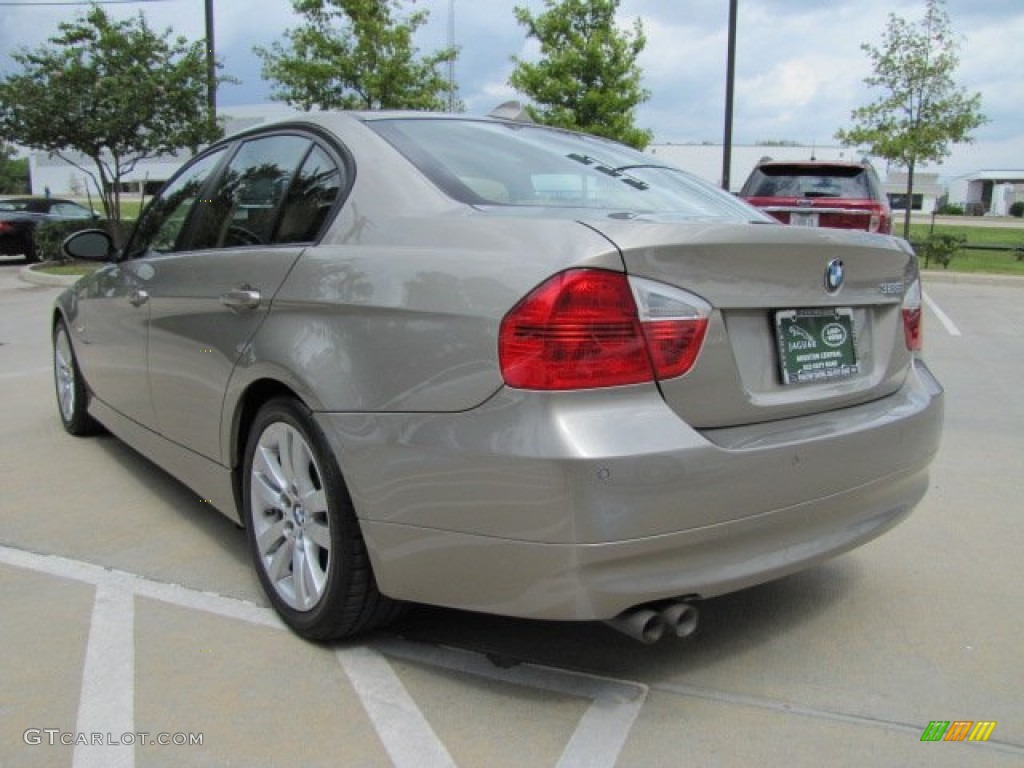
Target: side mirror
(89, 245)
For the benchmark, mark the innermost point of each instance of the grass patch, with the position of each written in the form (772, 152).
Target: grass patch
(78, 268)
(969, 260)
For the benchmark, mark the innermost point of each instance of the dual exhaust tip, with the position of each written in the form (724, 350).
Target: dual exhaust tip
(650, 623)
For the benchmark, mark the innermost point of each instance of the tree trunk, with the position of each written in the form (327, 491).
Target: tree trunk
(910, 199)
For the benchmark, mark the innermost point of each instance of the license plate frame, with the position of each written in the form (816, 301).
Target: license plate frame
(815, 345)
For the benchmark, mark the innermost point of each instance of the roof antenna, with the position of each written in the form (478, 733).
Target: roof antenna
(511, 110)
(814, 151)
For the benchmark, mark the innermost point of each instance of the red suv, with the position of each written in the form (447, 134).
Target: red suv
(820, 194)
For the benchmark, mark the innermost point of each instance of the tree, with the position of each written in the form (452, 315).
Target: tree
(355, 54)
(110, 92)
(921, 110)
(13, 171)
(587, 78)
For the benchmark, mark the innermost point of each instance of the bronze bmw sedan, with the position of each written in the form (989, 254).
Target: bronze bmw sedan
(484, 364)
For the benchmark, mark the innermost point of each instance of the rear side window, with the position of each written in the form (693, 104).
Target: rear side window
(850, 182)
(310, 198)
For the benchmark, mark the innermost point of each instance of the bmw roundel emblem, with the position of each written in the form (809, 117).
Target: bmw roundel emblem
(834, 276)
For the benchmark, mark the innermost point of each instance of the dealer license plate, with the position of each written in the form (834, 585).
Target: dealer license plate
(816, 344)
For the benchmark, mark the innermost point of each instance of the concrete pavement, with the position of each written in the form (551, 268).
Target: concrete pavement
(128, 606)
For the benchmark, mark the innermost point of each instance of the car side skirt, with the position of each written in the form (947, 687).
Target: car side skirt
(210, 480)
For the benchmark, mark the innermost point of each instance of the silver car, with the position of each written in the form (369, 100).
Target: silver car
(479, 363)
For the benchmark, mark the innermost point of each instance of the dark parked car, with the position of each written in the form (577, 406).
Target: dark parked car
(820, 194)
(490, 365)
(19, 217)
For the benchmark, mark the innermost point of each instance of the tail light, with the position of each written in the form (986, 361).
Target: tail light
(913, 329)
(589, 328)
(5, 226)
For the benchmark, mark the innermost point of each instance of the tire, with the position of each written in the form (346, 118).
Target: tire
(72, 394)
(303, 534)
(31, 253)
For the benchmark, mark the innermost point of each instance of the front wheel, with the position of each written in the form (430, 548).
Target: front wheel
(72, 396)
(303, 534)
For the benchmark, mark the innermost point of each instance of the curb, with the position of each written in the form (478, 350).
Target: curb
(29, 275)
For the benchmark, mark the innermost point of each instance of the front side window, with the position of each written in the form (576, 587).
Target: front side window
(245, 204)
(162, 226)
(71, 211)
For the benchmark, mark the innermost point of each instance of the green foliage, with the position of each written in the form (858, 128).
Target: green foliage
(1017, 209)
(587, 78)
(921, 111)
(115, 92)
(940, 247)
(950, 209)
(13, 172)
(50, 235)
(355, 54)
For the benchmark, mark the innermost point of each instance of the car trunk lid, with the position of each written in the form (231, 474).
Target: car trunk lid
(781, 342)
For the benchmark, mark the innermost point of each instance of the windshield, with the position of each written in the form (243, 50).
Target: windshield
(513, 164)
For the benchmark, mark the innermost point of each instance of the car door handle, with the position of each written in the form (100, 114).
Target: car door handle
(241, 298)
(138, 297)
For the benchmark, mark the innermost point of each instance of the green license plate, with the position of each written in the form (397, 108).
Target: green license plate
(816, 344)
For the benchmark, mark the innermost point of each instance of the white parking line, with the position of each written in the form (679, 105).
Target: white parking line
(106, 704)
(948, 324)
(602, 731)
(407, 736)
(404, 731)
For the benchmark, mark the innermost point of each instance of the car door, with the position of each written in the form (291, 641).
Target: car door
(111, 325)
(207, 301)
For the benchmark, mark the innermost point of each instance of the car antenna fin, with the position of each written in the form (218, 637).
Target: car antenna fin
(511, 110)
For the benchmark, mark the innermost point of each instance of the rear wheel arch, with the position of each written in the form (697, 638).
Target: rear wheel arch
(255, 396)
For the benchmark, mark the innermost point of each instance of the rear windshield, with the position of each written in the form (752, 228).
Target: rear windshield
(808, 181)
(513, 164)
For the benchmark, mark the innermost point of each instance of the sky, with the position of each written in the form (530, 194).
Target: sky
(799, 65)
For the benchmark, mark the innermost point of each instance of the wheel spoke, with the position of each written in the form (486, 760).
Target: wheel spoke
(271, 537)
(268, 464)
(280, 564)
(300, 577)
(319, 532)
(315, 501)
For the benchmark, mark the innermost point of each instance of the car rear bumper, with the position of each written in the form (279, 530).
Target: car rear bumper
(580, 506)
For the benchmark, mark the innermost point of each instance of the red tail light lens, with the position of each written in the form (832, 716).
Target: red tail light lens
(581, 329)
(5, 226)
(913, 329)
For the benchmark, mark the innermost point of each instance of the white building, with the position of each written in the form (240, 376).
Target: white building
(987, 192)
(65, 180)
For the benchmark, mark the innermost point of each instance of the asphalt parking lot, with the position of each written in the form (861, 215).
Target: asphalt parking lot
(133, 630)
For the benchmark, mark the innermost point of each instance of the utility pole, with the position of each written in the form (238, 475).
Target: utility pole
(211, 65)
(730, 79)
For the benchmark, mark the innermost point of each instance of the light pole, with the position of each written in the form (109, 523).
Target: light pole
(211, 65)
(730, 78)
